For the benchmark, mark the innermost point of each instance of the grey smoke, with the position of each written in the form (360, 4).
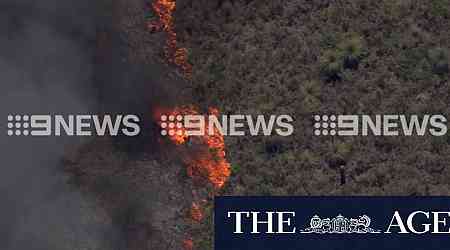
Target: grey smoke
(46, 66)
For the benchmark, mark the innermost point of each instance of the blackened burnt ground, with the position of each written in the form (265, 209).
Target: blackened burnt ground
(267, 56)
(302, 58)
(139, 183)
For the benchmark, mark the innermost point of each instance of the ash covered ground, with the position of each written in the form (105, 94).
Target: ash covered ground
(262, 56)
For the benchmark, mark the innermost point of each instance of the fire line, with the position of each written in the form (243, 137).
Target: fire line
(175, 55)
(210, 165)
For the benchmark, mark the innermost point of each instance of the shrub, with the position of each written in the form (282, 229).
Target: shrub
(331, 66)
(414, 65)
(310, 96)
(440, 8)
(438, 57)
(421, 63)
(352, 52)
(346, 55)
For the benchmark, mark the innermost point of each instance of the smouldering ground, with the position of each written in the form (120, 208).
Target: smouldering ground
(303, 57)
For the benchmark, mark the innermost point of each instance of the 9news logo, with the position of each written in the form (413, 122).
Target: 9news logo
(72, 125)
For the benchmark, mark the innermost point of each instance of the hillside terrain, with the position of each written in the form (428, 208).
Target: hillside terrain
(293, 57)
(302, 58)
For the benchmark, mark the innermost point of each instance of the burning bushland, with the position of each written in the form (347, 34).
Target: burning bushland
(153, 189)
(167, 57)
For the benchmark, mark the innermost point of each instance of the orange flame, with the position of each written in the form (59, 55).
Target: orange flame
(188, 244)
(211, 164)
(196, 212)
(178, 56)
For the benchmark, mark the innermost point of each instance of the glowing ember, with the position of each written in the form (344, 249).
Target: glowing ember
(178, 56)
(188, 110)
(196, 212)
(211, 163)
(188, 244)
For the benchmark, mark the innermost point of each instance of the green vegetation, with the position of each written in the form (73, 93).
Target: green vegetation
(439, 59)
(310, 96)
(422, 64)
(304, 57)
(266, 56)
(440, 8)
(346, 55)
